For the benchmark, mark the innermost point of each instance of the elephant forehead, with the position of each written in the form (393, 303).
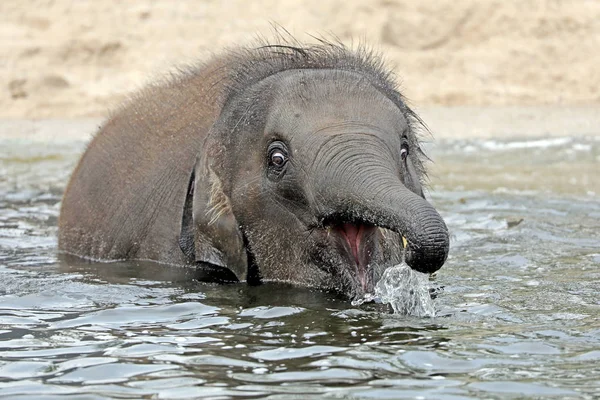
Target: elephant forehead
(311, 122)
(331, 102)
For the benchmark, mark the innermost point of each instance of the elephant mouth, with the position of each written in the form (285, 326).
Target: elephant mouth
(356, 243)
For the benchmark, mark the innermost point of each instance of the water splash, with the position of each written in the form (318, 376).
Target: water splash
(406, 290)
(367, 298)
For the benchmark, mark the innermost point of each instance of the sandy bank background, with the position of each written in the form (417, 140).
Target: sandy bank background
(68, 58)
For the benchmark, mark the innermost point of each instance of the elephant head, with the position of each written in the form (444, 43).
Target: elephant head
(312, 175)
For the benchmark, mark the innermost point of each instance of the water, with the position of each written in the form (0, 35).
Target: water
(517, 305)
(406, 291)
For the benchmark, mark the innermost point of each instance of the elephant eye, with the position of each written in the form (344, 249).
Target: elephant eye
(278, 159)
(404, 151)
(278, 155)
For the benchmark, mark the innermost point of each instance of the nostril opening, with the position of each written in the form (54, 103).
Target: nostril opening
(425, 261)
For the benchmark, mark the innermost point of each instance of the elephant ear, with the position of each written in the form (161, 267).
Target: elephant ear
(210, 234)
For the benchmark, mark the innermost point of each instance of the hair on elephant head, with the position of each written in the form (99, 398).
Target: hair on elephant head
(277, 163)
(312, 174)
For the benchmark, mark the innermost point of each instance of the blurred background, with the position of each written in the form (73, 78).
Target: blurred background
(67, 58)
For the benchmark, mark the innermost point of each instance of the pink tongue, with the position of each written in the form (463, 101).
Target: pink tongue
(352, 237)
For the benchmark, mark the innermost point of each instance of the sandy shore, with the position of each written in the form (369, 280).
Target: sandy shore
(489, 69)
(65, 59)
(465, 122)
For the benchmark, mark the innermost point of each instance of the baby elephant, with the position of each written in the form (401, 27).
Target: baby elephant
(272, 163)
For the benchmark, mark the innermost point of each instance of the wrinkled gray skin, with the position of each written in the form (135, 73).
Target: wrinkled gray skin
(308, 174)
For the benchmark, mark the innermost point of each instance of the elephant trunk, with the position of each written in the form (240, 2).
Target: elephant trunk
(374, 195)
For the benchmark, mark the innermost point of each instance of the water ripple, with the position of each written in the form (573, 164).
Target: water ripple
(516, 304)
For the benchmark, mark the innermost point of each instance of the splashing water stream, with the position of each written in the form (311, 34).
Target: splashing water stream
(405, 290)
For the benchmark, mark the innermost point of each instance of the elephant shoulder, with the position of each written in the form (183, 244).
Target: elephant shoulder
(129, 186)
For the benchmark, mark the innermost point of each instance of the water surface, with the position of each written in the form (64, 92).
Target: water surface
(518, 302)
